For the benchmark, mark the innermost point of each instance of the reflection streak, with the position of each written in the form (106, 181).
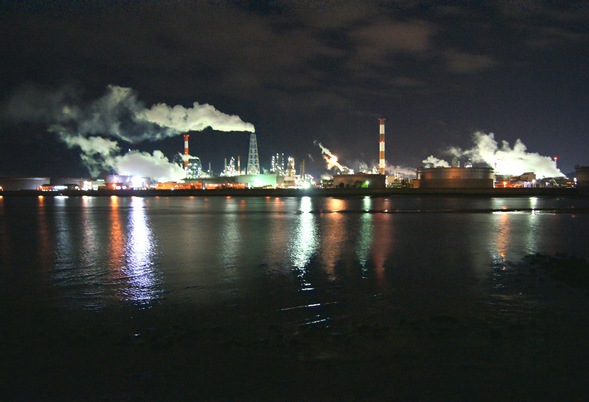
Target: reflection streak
(304, 242)
(365, 241)
(231, 238)
(141, 276)
(382, 244)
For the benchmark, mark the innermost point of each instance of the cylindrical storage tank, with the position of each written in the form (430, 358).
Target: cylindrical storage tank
(582, 176)
(22, 183)
(455, 177)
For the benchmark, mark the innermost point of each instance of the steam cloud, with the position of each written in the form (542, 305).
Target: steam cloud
(93, 127)
(400, 171)
(391, 170)
(332, 161)
(197, 118)
(502, 157)
(435, 162)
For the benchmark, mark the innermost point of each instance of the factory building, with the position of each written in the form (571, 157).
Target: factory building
(239, 181)
(454, 177)
(359, 180)
(122, 182)
(23, 183)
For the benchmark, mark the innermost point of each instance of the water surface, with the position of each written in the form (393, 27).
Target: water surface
(310, 284)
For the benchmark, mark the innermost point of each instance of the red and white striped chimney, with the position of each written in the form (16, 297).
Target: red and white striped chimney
(381, 161)
(186, 136)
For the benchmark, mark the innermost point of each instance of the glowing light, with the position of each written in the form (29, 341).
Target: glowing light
(306, 205)
(137, 182)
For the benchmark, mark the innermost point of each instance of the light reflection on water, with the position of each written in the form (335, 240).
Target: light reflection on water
(230, 239)
(141, 251)
(95, 252)
(104, 251)
(303, 243)
(365, 241)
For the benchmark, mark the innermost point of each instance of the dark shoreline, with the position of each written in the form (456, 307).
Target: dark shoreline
(333, 192)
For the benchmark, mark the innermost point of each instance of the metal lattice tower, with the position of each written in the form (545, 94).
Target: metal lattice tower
(253, 161)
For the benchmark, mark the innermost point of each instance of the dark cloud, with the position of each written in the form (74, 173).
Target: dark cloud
(460, 62)
(312, 67)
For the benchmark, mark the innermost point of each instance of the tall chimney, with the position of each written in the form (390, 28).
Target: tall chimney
(186, 154)
(238, 164)
(381, 161)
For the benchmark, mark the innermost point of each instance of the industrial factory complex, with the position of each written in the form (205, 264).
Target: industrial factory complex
(283, 174)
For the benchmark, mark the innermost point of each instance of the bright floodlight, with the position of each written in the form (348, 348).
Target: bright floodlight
(137, 182)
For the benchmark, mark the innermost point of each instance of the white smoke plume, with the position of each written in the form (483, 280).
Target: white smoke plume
(432, 161)
(196, 118)
(97, 152)
(332, 161)
(94, 126)
(399, 171)
(507, 160)
(391, 170)
(143, 164)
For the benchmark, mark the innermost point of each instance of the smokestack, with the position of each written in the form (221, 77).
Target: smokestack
(238, 164)
(381, 161)
(556, 161)
(186, 136)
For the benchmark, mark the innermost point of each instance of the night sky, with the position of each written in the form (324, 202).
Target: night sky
(303, 71)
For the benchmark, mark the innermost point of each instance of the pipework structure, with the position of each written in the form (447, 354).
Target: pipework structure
(381, 159)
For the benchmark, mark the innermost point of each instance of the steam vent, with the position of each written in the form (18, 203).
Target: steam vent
(454, 177)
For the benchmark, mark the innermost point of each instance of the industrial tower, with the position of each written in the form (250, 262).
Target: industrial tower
(381, 161)
(186, 153)
(253, 161)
